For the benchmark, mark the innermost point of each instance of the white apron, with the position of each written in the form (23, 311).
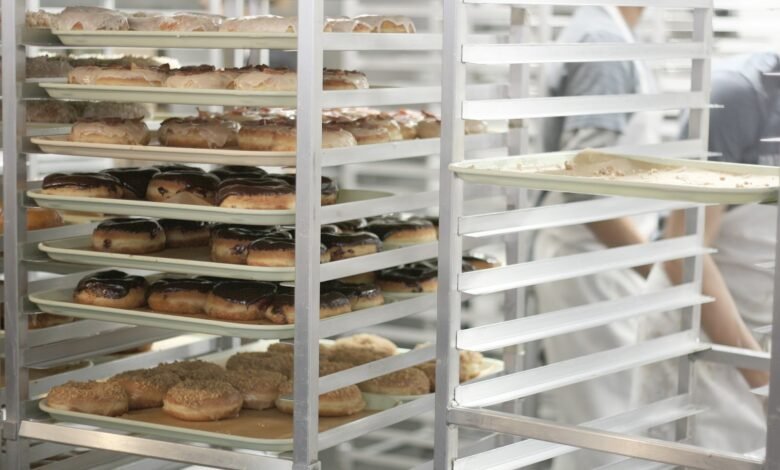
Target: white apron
(735, 420)
(611, 394)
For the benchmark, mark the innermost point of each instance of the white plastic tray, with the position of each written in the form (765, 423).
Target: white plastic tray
(185, 211)
(180, 260)
(59, 144)
(504, 171)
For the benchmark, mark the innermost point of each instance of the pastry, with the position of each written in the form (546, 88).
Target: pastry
(115, 289)
(133, 236)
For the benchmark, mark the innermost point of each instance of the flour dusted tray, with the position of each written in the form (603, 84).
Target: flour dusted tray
(625, 175)
(186, 211)
(180, 260)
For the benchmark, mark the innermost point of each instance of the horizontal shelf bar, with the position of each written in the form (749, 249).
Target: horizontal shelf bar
(536, 218)
(541, 379)
(771, 139)
(528, 108)
(488, 281)
(529, 451)
(761, 391)
(374, 369)
(362, 319)
(675, 453)
(381, 96)
(545, 325)
(56, 233)
(492, 54)
(682, 4)
(378, 206)
(381, 260)
(381, 42)
(374, 422)
(150, 448)
(737, 357)
(636, 464)
(76, 329)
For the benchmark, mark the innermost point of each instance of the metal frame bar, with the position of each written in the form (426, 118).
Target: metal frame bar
(773, 402)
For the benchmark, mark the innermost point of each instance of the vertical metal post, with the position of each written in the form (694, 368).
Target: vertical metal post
(773, 407)
(307, 233)
(698, 128)
(450, 242)
(14, 183)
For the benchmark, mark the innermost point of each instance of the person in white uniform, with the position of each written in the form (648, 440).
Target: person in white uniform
(611, 394)
(744, 237)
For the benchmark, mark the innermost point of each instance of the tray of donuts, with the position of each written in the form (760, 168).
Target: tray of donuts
(218, 306)
(227, 194)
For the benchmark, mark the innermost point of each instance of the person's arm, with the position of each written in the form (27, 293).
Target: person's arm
(719, 319)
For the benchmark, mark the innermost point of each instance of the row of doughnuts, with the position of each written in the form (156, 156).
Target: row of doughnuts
(421, 277)
(250, 78)
(243, 187)
(220, 299)
(103, 19)
(68, 112)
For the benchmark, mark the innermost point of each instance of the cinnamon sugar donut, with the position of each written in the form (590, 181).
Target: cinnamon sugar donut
(367, 341)
(182, 296)
(202, 400)
(39, 19)
(199, 77)
(134, 180)
(89, 19)
(145, 388)
(429, 369)
(282, 309)
(342, 402)
(239, 300)
(260, 388)
(107, 109)
(261, 24)
(281, 363)
(128, 235)
(193, 370)
(51, 111)
(110, 131)
(113, 288)
(131, 75)
(183, 187)
(197, 133)
(410, 381)
(97, 398)
(47, 67)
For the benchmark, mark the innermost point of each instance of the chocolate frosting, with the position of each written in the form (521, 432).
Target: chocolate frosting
(328, 186)
(285, 298)
(178, 167)
(112, 284)
(135, 179)
(237, 171)
(352, 290)
(183, 225)
(246, 292)
(252, 186)
(352, 225)
(132, 225)
(80, 180)
(167, 285)
(386, 227)
(330, 228)
(332, 240)
(272, 243)
(246, 233)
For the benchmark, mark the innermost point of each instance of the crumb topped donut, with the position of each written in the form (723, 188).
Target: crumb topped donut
(193, 370)
(113, 288)
(202, 400)
(183, 187)
(182, 296)
(281, 363)
(135, 180)
(97, 398)
(83, 185)
(135, 235)
(342, 402)
(240, 300)
(367, 341)
(260, 388)
(110, 131)
(145, 388)
(410, 381)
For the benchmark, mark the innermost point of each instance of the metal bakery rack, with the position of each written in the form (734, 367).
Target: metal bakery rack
(495, 405)
(29, 435)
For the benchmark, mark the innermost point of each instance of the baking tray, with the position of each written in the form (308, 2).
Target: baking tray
(179, 260)
(186, 211)
(176, 39)
(527, 171)
(60, 145)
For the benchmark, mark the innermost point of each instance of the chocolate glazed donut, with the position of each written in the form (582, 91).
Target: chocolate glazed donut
(240, 300)
(238, 171)
(230, 244)
(83, 185)
(129, 235)
(256, 193)
(282, 309)
(183, 296)
(111, 288)
(349, 245)
(329, 189)
(185, 233)
(179, 167)
(135, 180)
(395, 232)
(360, 295)
(413, 278)
(183, 187)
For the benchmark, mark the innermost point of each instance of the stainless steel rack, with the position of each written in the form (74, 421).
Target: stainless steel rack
(469, 405)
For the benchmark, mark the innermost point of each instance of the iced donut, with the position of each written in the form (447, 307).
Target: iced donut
(115, 289)
(182, 296)
(230, 244)
(360, 296)
(82, 185)
(282, 309)
(129, 235)
(240, 300)
(349, 245)
(197, 133)
(135, 180)
(110, 131)
(183, 187)
(395, 232)
(185, 233)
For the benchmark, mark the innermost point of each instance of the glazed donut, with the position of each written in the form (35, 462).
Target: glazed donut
(185, 233)
(89, 19)
(82, 185)
(183, 187)
(410, 381)
(429, 127)
(478, 262)
(334, 79)
(281, 136)
(51, 111)
(263, 78)
(367, 135)
(408, 119)
(134, 180)
(193, 370)
(131, 75)
(282, 309)
(132, 236)
(342, 24)
(419, 277)
(110, 131)
(383, 24)
(106, 109)
(97, 398)
(196, 132)
(145, 388)
(115, 289)
(181, 296)
(238, 171)
(202, 400)
(38, 218)
(342, 402)
(177, 22)
(277, 251)
(384, 121)
(360, 296)
(261, 24)
(395, 232)
(240, 300)
(199, 77)
(367, 341)
(254, 361)
(230, 244)
(266, 193)
(260, 388)
(349, 245)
